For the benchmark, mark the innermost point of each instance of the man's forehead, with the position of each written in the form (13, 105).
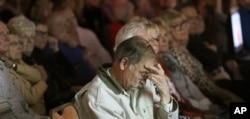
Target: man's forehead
(148, 61)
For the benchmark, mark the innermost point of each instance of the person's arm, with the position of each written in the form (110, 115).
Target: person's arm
(30, 73)
(167, 107)
(30, 92)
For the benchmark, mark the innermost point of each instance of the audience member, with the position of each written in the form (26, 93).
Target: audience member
(63, 26)
(123, 11)
(193, 97)
(40, 10)
(125, 80)
(27, 79)
(96, 20)
(190, 65)
(8, 91)
(140, 26)
(96, 53)
(32, 72)
(59, 69)
(144, 8)
(207, 54)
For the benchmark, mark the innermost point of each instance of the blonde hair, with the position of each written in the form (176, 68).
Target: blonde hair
(172, 17)
(162, 25)
(20, 24)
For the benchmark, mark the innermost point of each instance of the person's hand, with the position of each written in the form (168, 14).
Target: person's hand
(53, 43)
(233, 67)
(211, 46)
(158, 77)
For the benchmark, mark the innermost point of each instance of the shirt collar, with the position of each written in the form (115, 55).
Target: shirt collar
(104, 73)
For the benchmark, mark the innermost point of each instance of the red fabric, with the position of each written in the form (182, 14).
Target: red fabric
(164, 66)
(115, 27)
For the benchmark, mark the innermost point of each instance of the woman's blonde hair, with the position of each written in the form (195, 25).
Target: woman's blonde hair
(172, 18)
(162, 25)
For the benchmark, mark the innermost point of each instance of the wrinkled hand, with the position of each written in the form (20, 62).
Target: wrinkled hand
(158, 77)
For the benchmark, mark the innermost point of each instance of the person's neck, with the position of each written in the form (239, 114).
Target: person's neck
(115, 74)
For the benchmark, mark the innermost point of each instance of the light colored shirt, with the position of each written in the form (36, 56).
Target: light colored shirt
(104, 98)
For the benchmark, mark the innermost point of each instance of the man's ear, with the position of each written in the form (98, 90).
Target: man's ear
(124, 63)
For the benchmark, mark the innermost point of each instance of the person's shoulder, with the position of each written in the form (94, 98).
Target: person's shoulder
(94, 87)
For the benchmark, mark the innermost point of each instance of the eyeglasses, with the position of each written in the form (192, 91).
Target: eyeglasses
(180, 26)
(150, 40)
(41, 33)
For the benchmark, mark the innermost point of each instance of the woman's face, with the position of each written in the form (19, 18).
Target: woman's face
(163, 40)
(15, 49)
(180, 32)
(153, 37)
(27, 38)
(196, 23)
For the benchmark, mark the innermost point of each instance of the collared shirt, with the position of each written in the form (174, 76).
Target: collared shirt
(9, 92)
(106, 99)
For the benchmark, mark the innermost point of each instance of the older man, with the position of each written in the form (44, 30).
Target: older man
(118, 91)
(123, 85)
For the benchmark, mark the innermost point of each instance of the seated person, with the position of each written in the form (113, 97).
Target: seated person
(8, 91)
(27, 79)
(119, 88)
(226, 73)
(188, 90)
(189, 65)
(63, 26)
(60, 71)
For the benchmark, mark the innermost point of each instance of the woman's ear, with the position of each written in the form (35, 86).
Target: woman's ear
(124, 63)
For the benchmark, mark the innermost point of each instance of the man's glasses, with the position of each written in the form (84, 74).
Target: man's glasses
(41, 33)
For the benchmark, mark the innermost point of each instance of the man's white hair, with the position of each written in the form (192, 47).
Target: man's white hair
(130, 29)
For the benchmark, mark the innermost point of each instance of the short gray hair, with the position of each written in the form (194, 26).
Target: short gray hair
(135, 49)
(130, 29)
